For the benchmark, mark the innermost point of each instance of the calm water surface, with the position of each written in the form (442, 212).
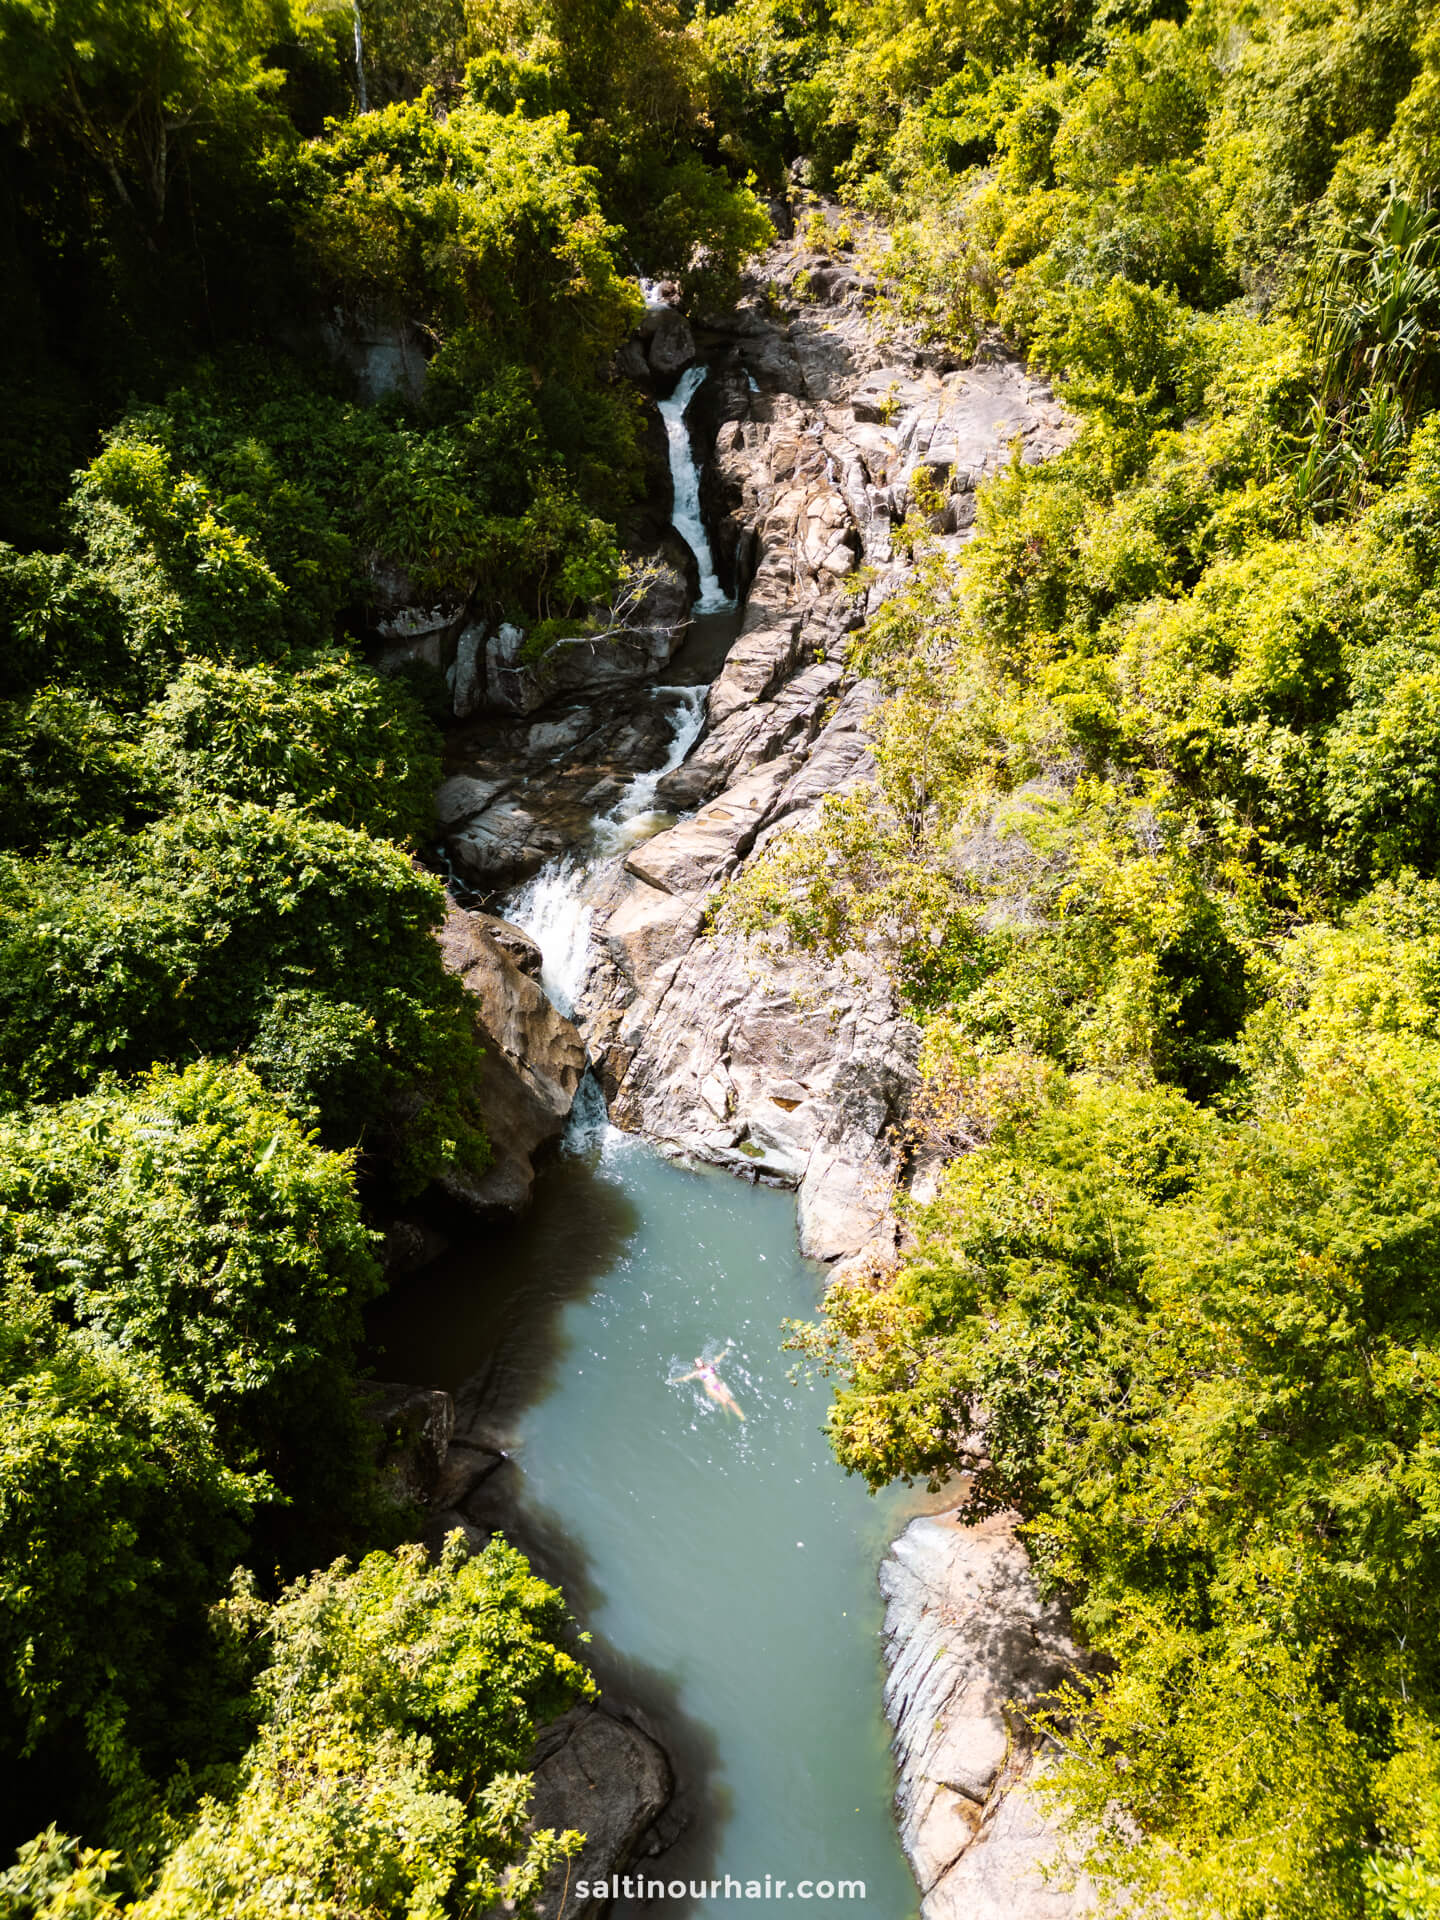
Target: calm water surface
(726, 1568)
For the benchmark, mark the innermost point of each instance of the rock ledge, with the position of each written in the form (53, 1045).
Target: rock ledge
(970, 1646)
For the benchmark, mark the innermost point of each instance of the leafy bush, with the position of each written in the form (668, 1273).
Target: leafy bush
(189, 1219)
(119, 1522)
(186, 579)
(399, 1700)
(326, 736)
(486, 217)
(145, 948)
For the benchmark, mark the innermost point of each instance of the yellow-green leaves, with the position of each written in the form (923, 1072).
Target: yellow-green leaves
(399, 1699)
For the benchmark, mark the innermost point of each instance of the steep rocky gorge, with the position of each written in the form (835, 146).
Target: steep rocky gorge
(582, 790)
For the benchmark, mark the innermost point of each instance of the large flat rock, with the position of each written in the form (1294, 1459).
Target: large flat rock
(693, 856)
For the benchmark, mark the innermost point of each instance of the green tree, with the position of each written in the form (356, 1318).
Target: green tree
(237, 928)
(400, 1701)
(134, 85)
(191, 1220)
(326, 736)
(119, 1522)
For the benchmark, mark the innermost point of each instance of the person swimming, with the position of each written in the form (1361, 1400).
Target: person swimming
(715, 1387)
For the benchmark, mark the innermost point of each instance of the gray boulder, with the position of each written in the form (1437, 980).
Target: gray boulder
(513, 941)
(606, 1778)
(505, 843)
(413, 1426)
(669, 343)
(970, 1648)
(467, 688)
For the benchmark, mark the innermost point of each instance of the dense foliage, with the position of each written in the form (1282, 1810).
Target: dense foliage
(224, 1023)
(1155, 851)
(398, 1703)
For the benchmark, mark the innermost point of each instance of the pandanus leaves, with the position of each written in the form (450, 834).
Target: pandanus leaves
(1375, 322)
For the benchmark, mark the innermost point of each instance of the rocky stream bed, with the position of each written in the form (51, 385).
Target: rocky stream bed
(599, 800)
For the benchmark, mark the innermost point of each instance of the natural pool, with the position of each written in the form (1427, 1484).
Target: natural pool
(726, 1568)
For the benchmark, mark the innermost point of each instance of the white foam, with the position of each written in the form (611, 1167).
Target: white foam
(687, 719)
(683, 473)
(554, 909)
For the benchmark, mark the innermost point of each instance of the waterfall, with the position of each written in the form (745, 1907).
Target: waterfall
(688, 523)
(687, 719)
(588, 1127)
(555, 908)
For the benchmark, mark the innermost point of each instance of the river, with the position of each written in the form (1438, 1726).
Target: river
(725, 1566)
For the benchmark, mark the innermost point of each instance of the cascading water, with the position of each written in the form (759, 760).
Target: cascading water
(555, 907)
(554, 910)
(686, 480)
(688, 718)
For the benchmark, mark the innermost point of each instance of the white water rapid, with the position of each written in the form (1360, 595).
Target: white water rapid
(686, 480)
(555, 908)
(687, 719)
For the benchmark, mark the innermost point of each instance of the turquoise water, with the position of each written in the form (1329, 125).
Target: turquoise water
(725, 1568)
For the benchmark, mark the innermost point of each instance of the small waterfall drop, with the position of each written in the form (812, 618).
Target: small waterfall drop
(555, 907)
(688, 522)
(588, 1129)
(687, 719)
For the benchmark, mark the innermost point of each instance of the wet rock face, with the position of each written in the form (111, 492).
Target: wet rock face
(534, 1061)
(667, 342)
(413, 1427)
(970, 1646)
(492, 671)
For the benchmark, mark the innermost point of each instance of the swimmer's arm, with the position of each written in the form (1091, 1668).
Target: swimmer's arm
(679, 1379)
